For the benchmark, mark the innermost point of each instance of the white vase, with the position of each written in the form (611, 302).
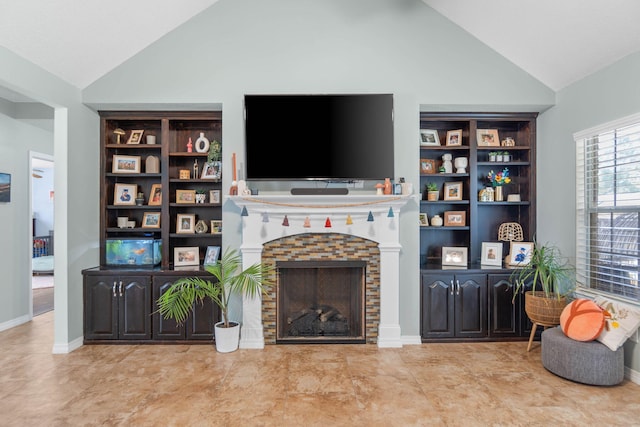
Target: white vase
(227, 339)
(202, 144)
(461, 164)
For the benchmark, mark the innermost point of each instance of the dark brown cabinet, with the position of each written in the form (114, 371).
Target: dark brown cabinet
(504, 312)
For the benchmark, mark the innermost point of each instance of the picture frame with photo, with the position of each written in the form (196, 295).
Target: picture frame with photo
(455, 256)
(455, 218)
(185, 196)
(211, 257)
(427, 166)
(186, 223)
(125, 194)
(453, 191)
(491, 254)
(214, 197)
(5, 187)
(155, 198)
(424, 220)
(216, 226)
(186, 256)
(135, 137)
(212, 170)
(151, 220)
(454, 138)
(429, 137)
(125, 164)
(487, 138)
(520, 253)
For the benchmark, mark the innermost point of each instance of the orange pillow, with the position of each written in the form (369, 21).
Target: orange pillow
(582, 320)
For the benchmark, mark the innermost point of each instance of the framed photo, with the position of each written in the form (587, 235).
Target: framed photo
(455, 218)
(135, 137)
(424, 221)
(155, 199)
(212, 170)
(427, 166)
(185, 196)
(125, 194)
(491, 254)
(5, 187)
(454, 256)
(125, 164)
(429, 137)
(216, 226)
(151, 220)
(487, 138)
(186, 223)
(454, 138)
(453, 191)
(211, 258)
(214, 197)
(520, 253)
(186, 256)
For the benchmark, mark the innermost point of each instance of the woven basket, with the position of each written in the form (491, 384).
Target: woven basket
(542, 309)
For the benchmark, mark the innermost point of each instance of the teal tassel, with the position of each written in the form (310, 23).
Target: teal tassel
(370, 218)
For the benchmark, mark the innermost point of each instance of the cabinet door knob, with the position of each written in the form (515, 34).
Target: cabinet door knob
(452, 286)
(457, 287)
(113, 289)
(121, 288)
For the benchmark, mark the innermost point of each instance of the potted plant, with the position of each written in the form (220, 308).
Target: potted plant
(552, 279)
(181, 297)
(433, 193)
(492, 156)
(201, 195)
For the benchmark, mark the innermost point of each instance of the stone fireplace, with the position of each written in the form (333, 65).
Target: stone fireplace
(360, 229)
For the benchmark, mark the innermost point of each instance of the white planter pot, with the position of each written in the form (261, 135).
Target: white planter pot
(227, 339)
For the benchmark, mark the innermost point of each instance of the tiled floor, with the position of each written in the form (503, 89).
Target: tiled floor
(294, 385)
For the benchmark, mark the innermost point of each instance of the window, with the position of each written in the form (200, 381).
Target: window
(608, 208)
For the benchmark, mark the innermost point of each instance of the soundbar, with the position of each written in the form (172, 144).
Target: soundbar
(319, 191)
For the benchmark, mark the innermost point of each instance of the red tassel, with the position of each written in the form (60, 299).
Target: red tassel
(327, 223)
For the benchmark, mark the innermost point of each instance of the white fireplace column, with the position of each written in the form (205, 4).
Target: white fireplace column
(317, 208)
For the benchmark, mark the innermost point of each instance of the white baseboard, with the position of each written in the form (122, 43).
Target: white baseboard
(631, 375)
(14, 322)
(64, 348)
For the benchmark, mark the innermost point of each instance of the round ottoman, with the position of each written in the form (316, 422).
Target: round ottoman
(588, 362)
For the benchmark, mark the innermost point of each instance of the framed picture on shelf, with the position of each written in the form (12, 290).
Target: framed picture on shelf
(455, 218)
(186, 256)
(454, 256)
(135, 137)
(125, 164)
(520, 253)
(216, 226)
(211, 170)
(491, 254)
(453, 191)
(214, 197)
(429, 137)
(185, 196)
(454, 138)
(211, 258)
(487, 138)
(155, 199)
(424, 221)
(186, 223)
(427, 166)
(151, 220)
(125, 194)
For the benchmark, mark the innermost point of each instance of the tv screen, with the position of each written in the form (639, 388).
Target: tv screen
(319, 137)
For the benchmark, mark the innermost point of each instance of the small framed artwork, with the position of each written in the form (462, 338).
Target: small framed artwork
(520, 253)
(135, 137)
(185, 196)
(125, 164)
(454, 138)
(186, 256)
(125, 194)
(185, 174)
(151, 220)
(5, 187)
(454, 256)
(156, 195)
(211, 258)
(186, 223)
(216, 226)
(455, 218)
(424, 221)
(429, 137)
(453, 191)
(487, 138)
(491, 254)
(214, 197)
(427, 166)
(211, 170)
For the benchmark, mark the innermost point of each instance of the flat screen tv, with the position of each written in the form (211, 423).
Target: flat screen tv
(335, 138)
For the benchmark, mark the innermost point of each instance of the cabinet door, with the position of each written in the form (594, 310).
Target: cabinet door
(200, 324)
(470, 305)
(100, 307)
(164, 329)
(134, 308)
(437, 306)
(504, 319)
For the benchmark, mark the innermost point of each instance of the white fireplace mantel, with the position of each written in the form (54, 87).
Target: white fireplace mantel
(371, 217)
